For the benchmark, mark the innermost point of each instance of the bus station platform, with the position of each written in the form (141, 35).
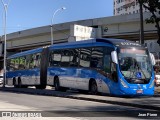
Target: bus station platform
(145, 102)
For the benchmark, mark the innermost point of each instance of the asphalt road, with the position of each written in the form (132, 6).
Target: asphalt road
(49, 106)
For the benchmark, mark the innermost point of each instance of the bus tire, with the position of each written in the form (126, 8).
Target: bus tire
(56, 84)
(93, 87)
(19, 83)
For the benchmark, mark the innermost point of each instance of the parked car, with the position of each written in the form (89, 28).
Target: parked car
(157, 80)
(1, 78)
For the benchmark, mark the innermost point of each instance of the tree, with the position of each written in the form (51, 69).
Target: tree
(153, 6)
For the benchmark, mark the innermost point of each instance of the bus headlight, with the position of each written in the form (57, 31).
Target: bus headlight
(152, 84)
(123, 83)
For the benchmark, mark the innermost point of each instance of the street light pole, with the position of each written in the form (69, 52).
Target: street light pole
(5, 44)
(63, 8)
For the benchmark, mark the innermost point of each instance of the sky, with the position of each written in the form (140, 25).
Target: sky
(27, 14)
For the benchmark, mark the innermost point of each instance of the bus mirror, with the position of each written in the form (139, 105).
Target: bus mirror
(152, 59)
(114, 57)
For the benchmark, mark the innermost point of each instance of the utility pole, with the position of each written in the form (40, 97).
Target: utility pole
(141, 22)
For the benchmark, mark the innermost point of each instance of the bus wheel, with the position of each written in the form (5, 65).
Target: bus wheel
(19, 83)
(93, 87)
(56, 84)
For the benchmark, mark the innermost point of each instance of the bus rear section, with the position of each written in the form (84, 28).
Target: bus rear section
(27, 69)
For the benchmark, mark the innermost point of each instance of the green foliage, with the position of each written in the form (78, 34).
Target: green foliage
(153, 6)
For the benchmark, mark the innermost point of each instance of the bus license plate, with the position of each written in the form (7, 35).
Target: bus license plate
(139, 91)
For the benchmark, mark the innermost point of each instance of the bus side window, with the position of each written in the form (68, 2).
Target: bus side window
(12, 64)
(28, 59)
(36, 60)
(85, 56)
(65, 58)
(107, 59)
(57, 58)
(22, 63)
(97, 57)
(31, 62)
(74, 57)
(16, 65)
(107, 63)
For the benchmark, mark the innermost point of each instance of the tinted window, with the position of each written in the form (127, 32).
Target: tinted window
(16, 65)
(65, 58)
(31, 62)
(10, 64)
(28, 61)
(36, 60)
(56, 58)
(107, 59)
(97, 57)
(22, 62)
(85, 56)
(74, 57)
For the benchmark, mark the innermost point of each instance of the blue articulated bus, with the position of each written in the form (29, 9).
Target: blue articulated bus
(113, 66)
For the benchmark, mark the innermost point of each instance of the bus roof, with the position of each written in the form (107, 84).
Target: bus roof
(26, 53)
(83, 43)
(110, 41)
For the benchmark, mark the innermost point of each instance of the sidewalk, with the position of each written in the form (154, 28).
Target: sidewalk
(152, 103)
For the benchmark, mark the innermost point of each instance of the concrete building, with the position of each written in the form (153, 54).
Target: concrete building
(124, 26)
(123, 7)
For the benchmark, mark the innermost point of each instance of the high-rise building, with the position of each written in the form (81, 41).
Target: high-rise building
(122, 7)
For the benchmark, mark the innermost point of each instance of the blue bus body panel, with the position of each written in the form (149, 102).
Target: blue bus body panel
(24, 74)
(83, 74)
(115, 88)
(30, 72)
(133, 88)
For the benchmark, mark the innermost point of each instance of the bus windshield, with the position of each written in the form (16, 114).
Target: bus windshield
(135, 64)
